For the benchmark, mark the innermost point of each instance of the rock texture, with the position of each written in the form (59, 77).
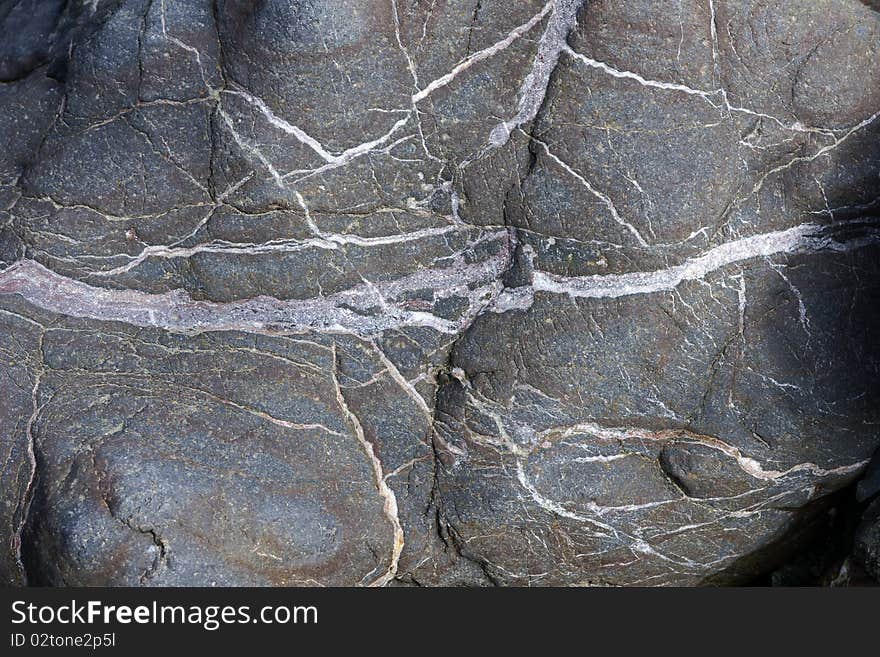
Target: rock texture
(342, 292)
(865, 560)
(867, 547)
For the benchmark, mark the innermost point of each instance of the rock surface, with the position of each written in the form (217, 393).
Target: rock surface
(867, 547)
(342, 292)
(865, 558)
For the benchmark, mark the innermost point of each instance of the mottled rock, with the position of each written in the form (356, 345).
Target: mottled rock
(867, 542)
(433, 292)
(869, 485)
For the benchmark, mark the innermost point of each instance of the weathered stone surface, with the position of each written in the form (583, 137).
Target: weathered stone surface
(864, 562)
(867, 543)
(433, 292)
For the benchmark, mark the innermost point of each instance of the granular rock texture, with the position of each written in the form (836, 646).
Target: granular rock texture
(343, 292)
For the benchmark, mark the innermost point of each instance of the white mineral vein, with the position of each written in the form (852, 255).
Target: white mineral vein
(711, 96)
(364, 310)
(334, 160)
(534, 87)
(803, 238)
(485, 53)
(389, 499)
(604, 198)
(323, 240)
(747, 464)
(355, 310)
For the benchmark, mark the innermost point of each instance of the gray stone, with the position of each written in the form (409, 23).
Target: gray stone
(869, 484)
(553, 292)
(867, 541)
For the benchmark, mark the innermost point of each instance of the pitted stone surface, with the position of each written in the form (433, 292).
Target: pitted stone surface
(430, 291)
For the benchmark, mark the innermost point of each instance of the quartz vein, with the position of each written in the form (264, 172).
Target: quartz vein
(804, 238)
(364, 310)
